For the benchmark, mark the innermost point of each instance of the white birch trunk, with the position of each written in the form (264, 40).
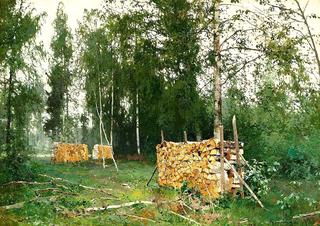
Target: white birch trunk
(137, 122)
(217, 73)
(111, 117)
(101, 125)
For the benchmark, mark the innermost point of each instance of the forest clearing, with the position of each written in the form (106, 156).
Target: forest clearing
(160, 112)
(66, 203)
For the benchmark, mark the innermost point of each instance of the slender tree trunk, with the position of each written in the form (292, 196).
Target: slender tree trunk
(217, 72)
(111, 117)
(101, 126)
(63, 123)
(313, 43)
(137, 122)
(9, 108)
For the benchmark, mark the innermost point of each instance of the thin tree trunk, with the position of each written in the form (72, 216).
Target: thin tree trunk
(217, 73)
(61, 136)
(9, 108)
(111, 117)
(101, 125)
(137, 122)
(313, 43)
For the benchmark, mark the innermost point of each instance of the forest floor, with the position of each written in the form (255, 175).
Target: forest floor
(53, 201)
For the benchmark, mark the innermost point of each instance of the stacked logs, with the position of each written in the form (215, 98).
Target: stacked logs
(102, 151)
(198, 164)
(63, 152)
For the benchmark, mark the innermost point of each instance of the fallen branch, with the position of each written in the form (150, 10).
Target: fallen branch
(297, 217)
(46, 189)
(80, 185)
(306, 215)
(13, 206)
(186, 218)
(21, 204)
(54, 190)
(26, 182)
(138, 217)
(91, 209)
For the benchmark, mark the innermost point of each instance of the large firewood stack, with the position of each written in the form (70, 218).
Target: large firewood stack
(198, 164)
(63, 152)
(100, 151)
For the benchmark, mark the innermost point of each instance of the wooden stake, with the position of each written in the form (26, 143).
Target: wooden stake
(221, 159)
(154, 171)
(245, 184)
(236, 143)
(185, 136)
(162, 136)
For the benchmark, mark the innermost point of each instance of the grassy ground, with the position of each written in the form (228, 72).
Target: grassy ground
(65, 203)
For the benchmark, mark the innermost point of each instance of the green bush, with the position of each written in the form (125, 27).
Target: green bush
(298, 165)
(258, 176)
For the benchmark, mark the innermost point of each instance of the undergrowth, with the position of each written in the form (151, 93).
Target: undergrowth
(65, 202)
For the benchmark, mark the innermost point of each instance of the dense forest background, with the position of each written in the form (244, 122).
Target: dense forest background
(143, 67)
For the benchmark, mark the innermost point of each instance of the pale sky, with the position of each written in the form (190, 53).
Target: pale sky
(75, 8)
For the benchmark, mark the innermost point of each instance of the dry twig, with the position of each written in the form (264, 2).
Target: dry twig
(91, 209)
(186, 218)
(138, 217)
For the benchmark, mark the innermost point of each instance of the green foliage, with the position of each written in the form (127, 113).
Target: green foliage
(258, 176)
(46, 208)
(288, 203)
(21, 90)
(59, 125)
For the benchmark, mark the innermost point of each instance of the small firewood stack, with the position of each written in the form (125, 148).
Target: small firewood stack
(100, 151)
(64, 152)
(198, 164)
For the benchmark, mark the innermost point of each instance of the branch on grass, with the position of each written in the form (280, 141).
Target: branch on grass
(20, 205)
(54, 190)
(306, 215)
(46, 189)
(26, 182)
(13, 206)
(186, 218)
(80, 185)
(138, 217)
(93, 209)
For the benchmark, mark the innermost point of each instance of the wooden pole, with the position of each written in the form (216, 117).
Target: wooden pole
(185, 136)
(236, 143)
(222, 159)
(162, 136)
(154, 171)
(245, 184)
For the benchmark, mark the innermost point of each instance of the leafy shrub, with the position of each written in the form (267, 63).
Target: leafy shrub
(298, 165)
(18, 169)
(293, 200)
(72, 202)
(224, 201)
(258, 176)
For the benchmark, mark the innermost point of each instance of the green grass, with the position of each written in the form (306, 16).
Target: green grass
(129, 184)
